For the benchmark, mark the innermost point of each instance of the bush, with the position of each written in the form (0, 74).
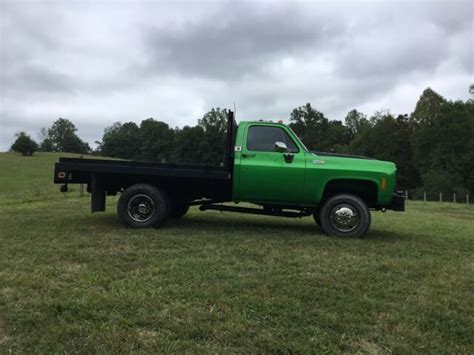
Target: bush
(24, 144)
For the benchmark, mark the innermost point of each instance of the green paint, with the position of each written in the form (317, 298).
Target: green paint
(266, 177)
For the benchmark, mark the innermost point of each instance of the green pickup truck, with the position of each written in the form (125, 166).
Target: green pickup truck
(266, 164)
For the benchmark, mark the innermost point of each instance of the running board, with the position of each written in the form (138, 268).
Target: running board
(205, 202)
(259, 211)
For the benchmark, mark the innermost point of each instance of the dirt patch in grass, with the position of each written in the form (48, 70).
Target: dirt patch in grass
(370, 348)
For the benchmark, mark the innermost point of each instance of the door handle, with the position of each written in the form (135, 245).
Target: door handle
(248, 155)
(289, 157)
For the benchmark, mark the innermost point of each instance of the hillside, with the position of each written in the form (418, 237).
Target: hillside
(30, 178)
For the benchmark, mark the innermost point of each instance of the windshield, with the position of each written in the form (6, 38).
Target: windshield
(299, 140)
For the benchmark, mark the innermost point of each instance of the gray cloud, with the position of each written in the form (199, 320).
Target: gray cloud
(404, 41)
(97, 63)
(36, 78)
(238, 40)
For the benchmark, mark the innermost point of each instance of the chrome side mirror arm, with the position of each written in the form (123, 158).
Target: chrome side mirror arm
(281, 147)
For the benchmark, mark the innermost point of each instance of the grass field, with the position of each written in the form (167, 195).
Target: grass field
(30, 178)
(72, 282)
(27, 178)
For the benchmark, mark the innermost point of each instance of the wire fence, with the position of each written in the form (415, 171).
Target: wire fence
(430, 196)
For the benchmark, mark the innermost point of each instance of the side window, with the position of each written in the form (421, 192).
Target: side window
(263, 139)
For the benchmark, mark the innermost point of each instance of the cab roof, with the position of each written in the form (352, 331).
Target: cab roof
(265, 121)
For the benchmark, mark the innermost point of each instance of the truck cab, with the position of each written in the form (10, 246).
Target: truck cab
(272, 165)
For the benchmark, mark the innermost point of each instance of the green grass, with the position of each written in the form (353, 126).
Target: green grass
(30, 178)
(72, 282)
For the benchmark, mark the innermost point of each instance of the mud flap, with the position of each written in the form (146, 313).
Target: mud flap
(98, 194)
(398, 202)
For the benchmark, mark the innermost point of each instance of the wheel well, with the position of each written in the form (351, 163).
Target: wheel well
(365, 189)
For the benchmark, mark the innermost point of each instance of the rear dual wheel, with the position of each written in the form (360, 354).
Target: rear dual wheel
(143, 206)
(344, 215)
(179, 208)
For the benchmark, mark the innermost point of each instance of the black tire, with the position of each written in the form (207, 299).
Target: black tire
(179, 209)
(316, 216)
(143, 206)
(345, 215)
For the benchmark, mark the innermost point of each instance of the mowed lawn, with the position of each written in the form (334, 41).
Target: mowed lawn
(30, 178)
(72, 282)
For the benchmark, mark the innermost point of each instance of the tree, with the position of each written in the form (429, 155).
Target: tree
(336, 136)
(212, 145)
(388, 138)
(24, 144)
(443, 147)
(214, 121)
(73, 144)
(156, 140)
(187, 145)
(63, 137)
(428, 106)
(122, 141)
(315, 130)
(356, 122)
(46, 145)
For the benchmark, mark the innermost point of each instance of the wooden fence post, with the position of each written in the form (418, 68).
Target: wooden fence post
(467, 199)
(440, 197)
(424, 196)
(454, 197)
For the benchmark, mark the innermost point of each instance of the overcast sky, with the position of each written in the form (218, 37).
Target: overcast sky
(99, 62)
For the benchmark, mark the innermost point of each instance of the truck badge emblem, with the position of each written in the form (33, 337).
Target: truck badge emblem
(317, 161)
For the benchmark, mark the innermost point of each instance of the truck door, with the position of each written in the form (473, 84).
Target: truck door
(267, 175)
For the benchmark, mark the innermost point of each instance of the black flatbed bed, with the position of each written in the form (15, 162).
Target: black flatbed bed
(183, 181)
(110, 166)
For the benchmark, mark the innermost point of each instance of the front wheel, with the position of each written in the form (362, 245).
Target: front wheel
(345, 215)
(143, 206)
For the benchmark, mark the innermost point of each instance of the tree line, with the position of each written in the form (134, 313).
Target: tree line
(60, 137)
(433, 146)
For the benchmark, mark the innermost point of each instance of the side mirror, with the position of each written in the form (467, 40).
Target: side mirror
(280, 147)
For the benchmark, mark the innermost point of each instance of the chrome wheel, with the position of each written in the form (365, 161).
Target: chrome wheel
(141, 208)
(344, 218)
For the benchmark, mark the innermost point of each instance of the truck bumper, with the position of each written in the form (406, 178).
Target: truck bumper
(398, 202)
